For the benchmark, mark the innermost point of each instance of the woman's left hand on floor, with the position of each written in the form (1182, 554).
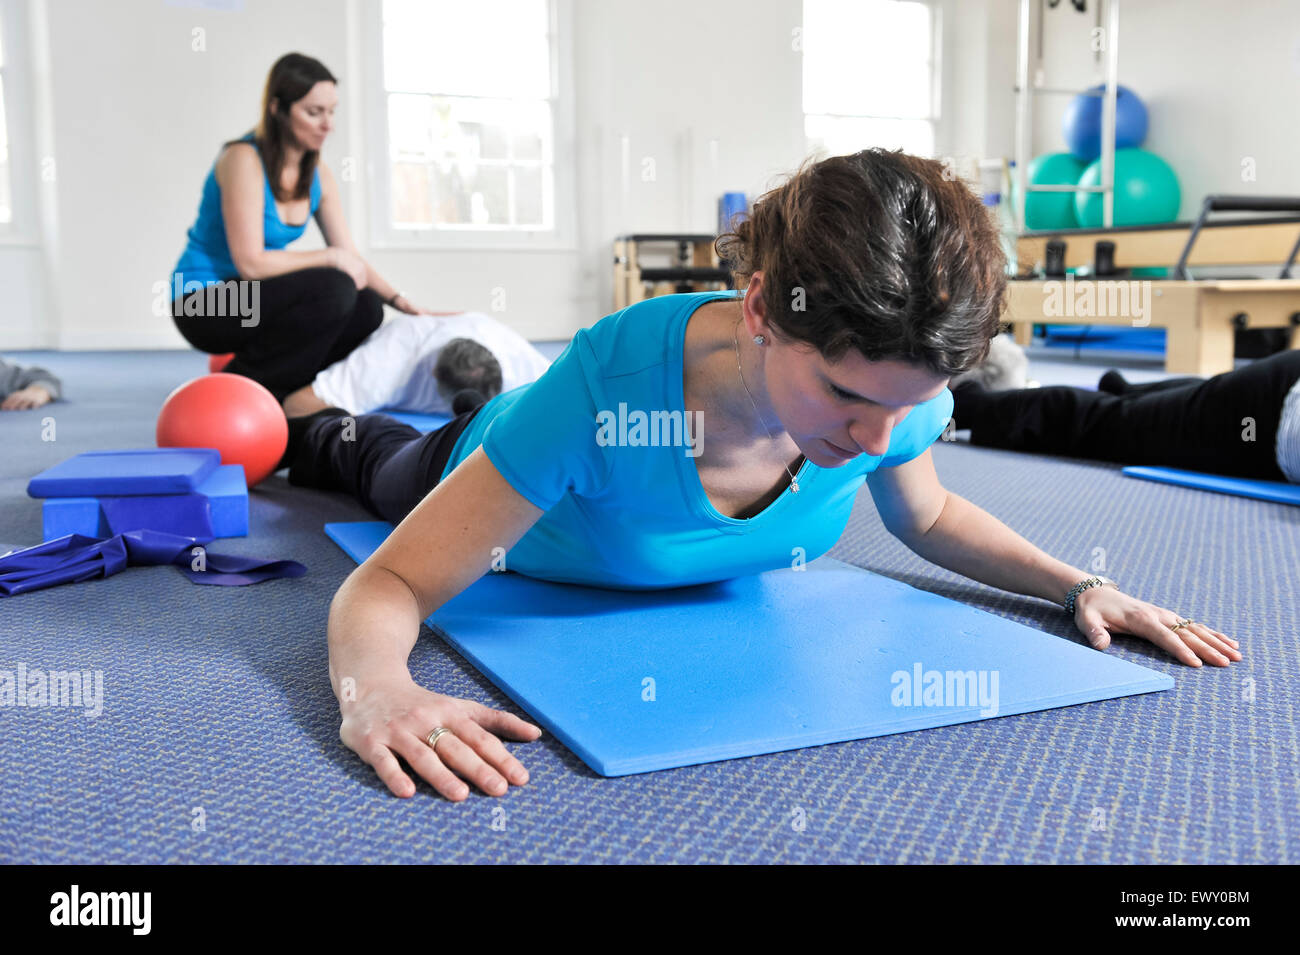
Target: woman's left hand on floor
(1101, 611)
(33, 396)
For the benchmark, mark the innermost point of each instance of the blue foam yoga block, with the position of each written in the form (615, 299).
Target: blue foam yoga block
(133, 471)
(225, 490)
(759, 664)
(416, 419)
(1277, 491)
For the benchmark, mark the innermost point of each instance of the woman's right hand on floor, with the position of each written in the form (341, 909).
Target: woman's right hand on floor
(394, 718)
(351, 263)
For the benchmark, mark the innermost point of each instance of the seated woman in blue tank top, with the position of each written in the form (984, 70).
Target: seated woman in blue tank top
(695, 438)
(285, 315)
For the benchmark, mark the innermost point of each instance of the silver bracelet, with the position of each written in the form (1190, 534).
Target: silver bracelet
(1083, 585)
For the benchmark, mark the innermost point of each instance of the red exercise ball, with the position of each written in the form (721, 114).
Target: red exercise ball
(218, 362)
(231, 413)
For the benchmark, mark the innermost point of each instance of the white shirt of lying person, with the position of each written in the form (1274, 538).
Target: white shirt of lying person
(393, 368)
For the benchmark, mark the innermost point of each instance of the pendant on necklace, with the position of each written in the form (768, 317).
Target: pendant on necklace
(794, 487)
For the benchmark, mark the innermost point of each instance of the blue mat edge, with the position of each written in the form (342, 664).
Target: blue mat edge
(1275, 492)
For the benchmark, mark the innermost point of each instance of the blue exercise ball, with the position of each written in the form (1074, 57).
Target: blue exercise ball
(1081, 125)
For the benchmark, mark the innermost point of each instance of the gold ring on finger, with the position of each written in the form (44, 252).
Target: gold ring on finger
(1179, 625)
(434, 735)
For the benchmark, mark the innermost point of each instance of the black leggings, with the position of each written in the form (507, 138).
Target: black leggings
(304, 322)
(386, 465)
(1191, 423)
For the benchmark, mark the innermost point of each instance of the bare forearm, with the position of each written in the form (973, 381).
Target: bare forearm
(374, 622)
(972, 542)
(269, 263)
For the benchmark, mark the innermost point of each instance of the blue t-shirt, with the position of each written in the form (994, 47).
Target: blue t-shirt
(206, 258)
(624, 504)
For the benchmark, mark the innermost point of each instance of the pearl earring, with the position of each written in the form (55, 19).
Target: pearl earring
(759, 339)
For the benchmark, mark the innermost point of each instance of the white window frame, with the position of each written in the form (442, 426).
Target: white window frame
(384, 235)
(935, 119)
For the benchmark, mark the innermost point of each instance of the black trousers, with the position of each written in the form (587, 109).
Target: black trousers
(386, 465)
(304, 322)
(1198, 424)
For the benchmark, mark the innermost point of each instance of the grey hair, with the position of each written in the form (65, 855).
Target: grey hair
(465, 364)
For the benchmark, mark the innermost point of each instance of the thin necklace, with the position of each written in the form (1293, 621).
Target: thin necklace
(794, 482)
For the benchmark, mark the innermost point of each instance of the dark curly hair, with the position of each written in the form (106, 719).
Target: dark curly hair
(881, 252)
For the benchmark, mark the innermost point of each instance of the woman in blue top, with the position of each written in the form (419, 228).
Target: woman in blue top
(285, 315)
(694, 438)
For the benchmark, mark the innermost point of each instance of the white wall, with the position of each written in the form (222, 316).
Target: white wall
(136, 114)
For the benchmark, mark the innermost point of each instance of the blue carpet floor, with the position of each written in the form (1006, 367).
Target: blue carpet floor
(218, 740)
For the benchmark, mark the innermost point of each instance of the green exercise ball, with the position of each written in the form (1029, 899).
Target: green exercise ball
(1052, 210)
(1146, 191)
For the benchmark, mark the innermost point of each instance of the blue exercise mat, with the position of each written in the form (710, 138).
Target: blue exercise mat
(133, 471)
(417, 420)
(636, 681)
(1277, 491)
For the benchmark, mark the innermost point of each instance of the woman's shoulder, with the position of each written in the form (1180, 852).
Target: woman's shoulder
(647, 332)
(239, 155)
(242, 145)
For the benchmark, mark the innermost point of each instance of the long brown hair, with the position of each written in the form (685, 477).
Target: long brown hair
(880, 251)
(290, 79)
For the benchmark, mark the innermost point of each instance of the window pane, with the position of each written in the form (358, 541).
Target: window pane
(471, 131)
(471, 195)
(490, 196)
(474, 129)
(529, 209)
(491, 139)
(410, 125)
(867, 58)
(527, 144)
(530, 125)
(841, 135)
(486, 48)
(412, 194)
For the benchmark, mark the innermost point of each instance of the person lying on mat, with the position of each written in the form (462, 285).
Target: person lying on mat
(25, 388)
(695, 438)
(1242, 423)
(421, 363)
(236, 288)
